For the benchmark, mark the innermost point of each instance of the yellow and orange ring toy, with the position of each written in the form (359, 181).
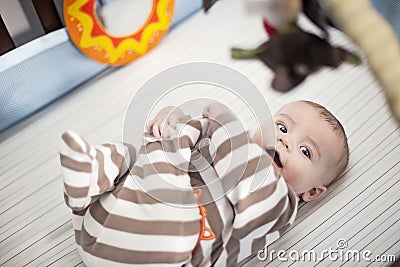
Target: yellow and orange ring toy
(89, 35)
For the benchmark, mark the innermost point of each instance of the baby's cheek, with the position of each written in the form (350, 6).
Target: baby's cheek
(289, 177)
(294, 178)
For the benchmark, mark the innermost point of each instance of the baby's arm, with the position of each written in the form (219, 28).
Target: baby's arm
(90, 171)
(242, 165)
(259, 198)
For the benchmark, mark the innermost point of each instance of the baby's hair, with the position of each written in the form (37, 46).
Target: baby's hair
(338, 129)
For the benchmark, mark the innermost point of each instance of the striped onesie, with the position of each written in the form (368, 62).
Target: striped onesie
(206, 197)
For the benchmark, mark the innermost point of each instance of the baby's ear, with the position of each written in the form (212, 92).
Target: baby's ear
(314, 193)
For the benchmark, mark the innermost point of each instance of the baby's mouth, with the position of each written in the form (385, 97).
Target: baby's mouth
(275, 156)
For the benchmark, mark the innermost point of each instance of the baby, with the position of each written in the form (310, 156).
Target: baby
(172, 209)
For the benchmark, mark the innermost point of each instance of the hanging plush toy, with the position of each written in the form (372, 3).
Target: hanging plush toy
(294, 54)
(290, 52)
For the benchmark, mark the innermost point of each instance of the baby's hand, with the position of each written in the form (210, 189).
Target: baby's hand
(167, 116)
(214, 110)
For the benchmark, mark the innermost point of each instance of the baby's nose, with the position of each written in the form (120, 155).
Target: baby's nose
(284, 142)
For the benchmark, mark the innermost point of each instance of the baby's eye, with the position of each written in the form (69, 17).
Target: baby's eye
(282, 128)
(305, 151)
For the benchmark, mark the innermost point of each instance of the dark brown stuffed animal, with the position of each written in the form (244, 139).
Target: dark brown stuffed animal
(293, 56)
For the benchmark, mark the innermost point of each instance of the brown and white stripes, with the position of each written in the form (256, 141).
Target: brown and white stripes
(149, 215)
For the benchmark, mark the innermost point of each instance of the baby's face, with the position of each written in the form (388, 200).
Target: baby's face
(308, 150)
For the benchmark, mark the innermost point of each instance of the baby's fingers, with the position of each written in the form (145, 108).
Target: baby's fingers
(156, 130)
(160, 129)
(150, 125)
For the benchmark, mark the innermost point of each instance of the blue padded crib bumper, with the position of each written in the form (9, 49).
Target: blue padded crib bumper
(35, 74)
